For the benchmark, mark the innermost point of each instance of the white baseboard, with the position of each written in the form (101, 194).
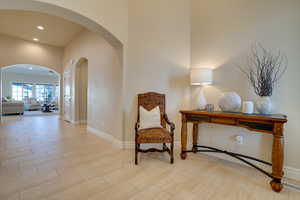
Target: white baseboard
(289, 172)
(128, 145)
(292, 173)
(79, 122)
(102, 134)
(106, 136)
(119, 143)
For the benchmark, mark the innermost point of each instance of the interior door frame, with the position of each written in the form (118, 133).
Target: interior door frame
(0, 95)
(77, 94)
(68, 117)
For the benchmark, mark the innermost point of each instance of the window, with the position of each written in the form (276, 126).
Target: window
(21, 91)
(45, 93)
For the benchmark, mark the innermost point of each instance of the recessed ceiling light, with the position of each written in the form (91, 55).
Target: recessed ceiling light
(35, 39)
(40, 27)
(30, 68)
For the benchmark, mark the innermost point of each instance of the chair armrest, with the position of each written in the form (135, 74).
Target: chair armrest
(137, 126)
(171, 124)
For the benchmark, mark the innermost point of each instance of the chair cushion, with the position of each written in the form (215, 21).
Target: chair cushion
(150, 119)
(154, 135)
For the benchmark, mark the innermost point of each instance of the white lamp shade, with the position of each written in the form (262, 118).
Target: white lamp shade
(201, 76)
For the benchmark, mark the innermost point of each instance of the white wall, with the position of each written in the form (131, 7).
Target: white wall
(104, 80)
(222, 32)
(9, 77)
(17, 51)
(158, 57)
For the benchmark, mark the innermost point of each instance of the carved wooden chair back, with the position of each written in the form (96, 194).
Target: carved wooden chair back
(149, 101)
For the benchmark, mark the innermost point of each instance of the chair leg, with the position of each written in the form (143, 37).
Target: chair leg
(136, 153)
(172, 152)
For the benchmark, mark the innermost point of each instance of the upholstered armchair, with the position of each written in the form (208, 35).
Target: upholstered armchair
(161, 134)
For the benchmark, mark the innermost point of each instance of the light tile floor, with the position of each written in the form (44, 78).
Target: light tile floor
(44, 158)
(38, 112)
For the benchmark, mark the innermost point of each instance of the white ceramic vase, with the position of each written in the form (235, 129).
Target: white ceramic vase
(230, 102)
(264, 105)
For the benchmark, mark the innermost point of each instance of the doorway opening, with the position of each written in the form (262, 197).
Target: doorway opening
(29, 90)
(75, 82)
(81, 91)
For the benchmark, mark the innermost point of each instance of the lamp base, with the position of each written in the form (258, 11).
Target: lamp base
(201, 101)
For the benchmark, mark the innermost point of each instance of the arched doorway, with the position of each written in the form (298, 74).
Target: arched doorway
(75, 88)
(115, 40)
(81, 91)
(30, 89)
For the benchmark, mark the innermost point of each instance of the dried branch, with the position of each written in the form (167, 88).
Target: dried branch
(264, 69)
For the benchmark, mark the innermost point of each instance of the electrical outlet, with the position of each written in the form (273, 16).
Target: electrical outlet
(239, 139)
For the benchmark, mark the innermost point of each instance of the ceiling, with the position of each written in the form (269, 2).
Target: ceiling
(23, 25)
(27, 69)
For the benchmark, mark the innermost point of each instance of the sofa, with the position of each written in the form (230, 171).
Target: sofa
(12, 107)
(32, 104)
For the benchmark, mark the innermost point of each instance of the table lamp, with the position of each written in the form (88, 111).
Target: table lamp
(201, 77)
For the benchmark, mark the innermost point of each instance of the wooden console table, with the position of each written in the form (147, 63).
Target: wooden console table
(272, 124)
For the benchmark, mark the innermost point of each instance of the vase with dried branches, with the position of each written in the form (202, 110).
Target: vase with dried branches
(264, 68)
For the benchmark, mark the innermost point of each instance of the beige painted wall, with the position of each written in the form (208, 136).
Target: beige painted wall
(222, 31)
(158, 57)
(105, 80)
(17, 51)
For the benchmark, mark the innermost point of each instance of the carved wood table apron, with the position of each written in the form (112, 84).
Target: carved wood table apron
(272, 124)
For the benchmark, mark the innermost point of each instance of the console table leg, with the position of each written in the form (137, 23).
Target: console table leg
(183, 137)
(195, 137)
(276, 185)
(277, 158)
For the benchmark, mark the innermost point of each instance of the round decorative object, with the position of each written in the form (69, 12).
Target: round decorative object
(264, 105)
(230, 102)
